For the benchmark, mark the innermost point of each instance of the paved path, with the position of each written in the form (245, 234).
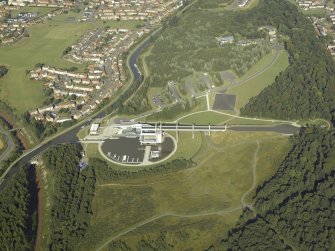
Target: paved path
(254, 182)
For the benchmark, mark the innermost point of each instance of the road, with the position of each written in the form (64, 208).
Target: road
(10, 144)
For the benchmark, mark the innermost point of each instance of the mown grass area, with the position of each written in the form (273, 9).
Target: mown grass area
(254, 86)
(205, 118)
(47, 184)
(261, 64)
(214, 186)
(315, 12)
(214, 118)
(45, 44)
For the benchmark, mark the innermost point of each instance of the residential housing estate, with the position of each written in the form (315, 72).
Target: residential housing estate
(80, 93)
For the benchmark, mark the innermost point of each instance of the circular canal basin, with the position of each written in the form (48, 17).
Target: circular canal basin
(129, 151)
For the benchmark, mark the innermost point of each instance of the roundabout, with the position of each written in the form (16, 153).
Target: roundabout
(128, 151)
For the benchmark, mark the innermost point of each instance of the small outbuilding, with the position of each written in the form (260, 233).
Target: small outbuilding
(94, 129)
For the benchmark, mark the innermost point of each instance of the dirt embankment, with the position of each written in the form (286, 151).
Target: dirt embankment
(12, 123)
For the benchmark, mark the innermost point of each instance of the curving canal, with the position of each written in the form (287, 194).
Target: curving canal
(71, 136)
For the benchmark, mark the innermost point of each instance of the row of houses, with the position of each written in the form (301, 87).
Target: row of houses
(102, 50)
(9, 33)
(312, 4)
(42, 3)
(135, 9)
(105, 46)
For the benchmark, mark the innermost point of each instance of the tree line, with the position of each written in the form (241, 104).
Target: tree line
(306, 88)
(72, 195)
(295, 209)
(18, 216)
(105, 172)
(3, 70)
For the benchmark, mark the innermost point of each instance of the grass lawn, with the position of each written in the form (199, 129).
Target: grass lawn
(222, 175)
(315, 12)
(254, 86)
(46, 44)
(266, 60)
(205, 118)
(210, 117)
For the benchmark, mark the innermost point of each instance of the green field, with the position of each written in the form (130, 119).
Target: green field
(45, 44)
(205, 195)
(216, 118)
(315, 12)
(254, 86)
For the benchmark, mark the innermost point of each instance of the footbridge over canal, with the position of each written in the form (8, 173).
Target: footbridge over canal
(152, 133)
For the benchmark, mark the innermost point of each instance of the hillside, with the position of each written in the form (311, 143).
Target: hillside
(305, 89)
(294, 210)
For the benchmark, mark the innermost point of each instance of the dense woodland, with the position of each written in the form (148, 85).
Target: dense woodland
(72, 195)
(105, 172)
(18, 145)
(18, 204)
(306, 89)
(189, 43)
(295, 209)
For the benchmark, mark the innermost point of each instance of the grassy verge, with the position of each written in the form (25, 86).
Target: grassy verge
(210, 117)
(46, 184)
